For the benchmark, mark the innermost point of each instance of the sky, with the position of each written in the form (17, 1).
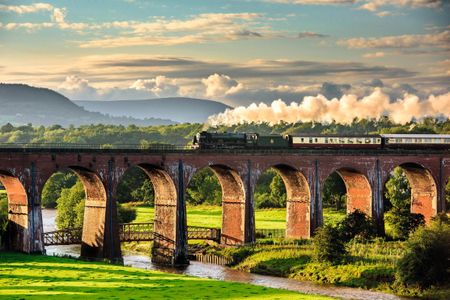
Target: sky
(236, 52)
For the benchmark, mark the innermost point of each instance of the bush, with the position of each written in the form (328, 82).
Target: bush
(328, 246)
(357, 224)
(125, 213)
(402, 222)
(427, 258)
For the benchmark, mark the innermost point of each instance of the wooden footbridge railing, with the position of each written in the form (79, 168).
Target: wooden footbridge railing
(129, 232)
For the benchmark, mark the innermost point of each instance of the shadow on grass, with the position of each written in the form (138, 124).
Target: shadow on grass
(27, 278)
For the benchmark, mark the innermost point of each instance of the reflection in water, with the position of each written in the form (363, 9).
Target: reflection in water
(223, 273)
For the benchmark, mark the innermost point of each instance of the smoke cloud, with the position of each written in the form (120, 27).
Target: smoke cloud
(343, 110)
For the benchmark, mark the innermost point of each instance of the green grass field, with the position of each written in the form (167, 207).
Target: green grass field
(211, 216)
(43, 277)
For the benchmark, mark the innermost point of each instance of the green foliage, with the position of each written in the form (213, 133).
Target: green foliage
(328, 247)
(3, 214)
(270, 191)
(54, 185)
(398, 191)
(399, 220)
(427, 257)
(334, 192)
(204, 188)
(70, 207)
(401, 223)
(357, 224)
(135, 186)
(126, 213)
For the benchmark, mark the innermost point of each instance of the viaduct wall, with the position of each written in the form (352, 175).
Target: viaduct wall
(24, 173)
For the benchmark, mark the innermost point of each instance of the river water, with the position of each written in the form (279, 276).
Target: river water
(204, 270)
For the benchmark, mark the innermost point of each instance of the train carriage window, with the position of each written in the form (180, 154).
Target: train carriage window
(315, 140)
(368, 141)
(302, 140)
(350, 141)
(359, 140)
(326, 140)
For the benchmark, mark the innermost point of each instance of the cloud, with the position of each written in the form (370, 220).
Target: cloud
(26, 9)
(441, 40)
(344, 110)
(160, 86)
(374, 55)
(374, 5)
(220, 85)
(309, 34)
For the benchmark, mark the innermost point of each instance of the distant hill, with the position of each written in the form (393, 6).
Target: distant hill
(183, 110)
(22, 104)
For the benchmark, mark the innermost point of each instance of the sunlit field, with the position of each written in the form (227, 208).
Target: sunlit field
(42, 277)
(211, 216)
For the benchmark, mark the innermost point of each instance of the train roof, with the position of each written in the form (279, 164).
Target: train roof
(417, 136)
(338, 135)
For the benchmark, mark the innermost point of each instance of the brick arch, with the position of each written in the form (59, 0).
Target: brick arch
(18, 211)
(94, 219)
(165, 194)
(233, 204)
(298, 201)
(358, 190)
(424, 193)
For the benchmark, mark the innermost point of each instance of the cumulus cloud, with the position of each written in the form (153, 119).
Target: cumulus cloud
(160, 86)
(343, 110)
(314, 2)
(219, 85)
(26, 9)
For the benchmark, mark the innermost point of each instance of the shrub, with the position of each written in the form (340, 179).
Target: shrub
(427, 257)
(402, 222)
(357, 224)
(328, 246)
(125, 213)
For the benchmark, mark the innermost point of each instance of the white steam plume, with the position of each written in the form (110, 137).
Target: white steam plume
(344, 110)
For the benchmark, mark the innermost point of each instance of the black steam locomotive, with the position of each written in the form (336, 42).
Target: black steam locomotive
(227, 140)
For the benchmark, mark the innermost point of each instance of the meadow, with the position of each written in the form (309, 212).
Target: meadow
(42, 277)
(211, 216)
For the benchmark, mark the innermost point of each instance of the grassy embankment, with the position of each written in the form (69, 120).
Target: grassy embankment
(369, 265)
(43, 277)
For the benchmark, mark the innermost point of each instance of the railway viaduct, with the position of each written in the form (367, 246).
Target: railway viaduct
(24, 171)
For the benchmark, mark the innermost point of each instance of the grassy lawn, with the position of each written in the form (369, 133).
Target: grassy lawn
(211, 216)
(43, 277)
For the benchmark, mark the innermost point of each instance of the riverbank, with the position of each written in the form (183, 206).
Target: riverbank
(42, 277)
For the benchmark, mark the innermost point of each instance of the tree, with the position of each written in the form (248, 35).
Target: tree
(327, 246)
(399, 218)
(52, 189)
(334, 192)
(427, 257)
(204, 188)
(357, 224)
(67, 216)
(135, 186)
(277, 192)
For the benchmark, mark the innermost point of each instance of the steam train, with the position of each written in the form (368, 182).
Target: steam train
(228, 140)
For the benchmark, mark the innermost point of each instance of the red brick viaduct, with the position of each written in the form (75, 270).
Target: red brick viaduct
(23, 172)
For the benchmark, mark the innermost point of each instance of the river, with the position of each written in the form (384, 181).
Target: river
(204, 270)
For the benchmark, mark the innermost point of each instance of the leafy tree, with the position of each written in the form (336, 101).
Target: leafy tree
(52, 189)
(277, 192)
(328, 247)
(357, 224)
(334, 192)
(427, 257)
(270, 190)
(70, 198)
(3, 215)
(126, 213)
(399, 218)
(204, 188)
(135, 186)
